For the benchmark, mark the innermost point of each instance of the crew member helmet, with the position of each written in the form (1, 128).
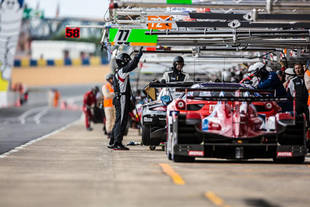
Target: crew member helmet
(109, 76)
(122, 59)
(95, 89)
(226, 76)
(177, 59)
(290, 72)
(257, 68)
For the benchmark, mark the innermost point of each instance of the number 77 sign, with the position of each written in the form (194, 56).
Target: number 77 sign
(131, 37)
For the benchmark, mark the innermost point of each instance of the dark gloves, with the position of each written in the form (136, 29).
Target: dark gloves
(140, 52)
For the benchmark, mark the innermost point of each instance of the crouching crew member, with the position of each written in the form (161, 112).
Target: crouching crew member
(89, 100)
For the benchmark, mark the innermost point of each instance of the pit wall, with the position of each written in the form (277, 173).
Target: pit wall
(56, 76)
(51, 76)
(8, 99)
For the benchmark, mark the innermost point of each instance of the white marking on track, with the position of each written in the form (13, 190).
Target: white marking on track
(22, 118)
(40, 115)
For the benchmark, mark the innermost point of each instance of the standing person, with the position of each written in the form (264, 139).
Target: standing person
(109, 109)
(56, 98)
(289, 75)
(89, 100)
(176, 73)
(121, 101)
(297, 89)
(307, 84)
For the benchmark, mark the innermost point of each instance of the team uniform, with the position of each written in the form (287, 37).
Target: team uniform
(174, 76)
(121, 101)
(307, 84)
(297, 89)
(109, 109)
(88, 100)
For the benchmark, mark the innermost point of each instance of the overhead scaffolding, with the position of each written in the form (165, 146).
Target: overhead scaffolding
(203, 31)
(268, 5)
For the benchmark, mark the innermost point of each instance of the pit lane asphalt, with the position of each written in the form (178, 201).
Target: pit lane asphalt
(21, 125)
(75, 168)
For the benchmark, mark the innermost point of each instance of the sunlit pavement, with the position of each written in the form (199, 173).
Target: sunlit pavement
(75, 168)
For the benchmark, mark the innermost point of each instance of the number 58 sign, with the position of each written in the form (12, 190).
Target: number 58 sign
(72, 32)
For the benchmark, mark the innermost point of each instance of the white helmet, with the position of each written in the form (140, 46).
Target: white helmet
(256, 67)
(289, 71)
(268, 69)
(226, 76)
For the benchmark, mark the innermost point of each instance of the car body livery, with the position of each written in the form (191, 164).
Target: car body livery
(232, 121)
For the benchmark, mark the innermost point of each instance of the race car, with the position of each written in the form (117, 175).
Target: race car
(232, 121)
(153, 116)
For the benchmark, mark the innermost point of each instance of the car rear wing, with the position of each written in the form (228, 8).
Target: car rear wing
(225, 89)
(171, 85)
(241, 99)
(262, 95)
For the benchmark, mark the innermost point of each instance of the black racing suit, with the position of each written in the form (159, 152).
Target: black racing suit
(297, 89)
(174, 75)
(121, 101)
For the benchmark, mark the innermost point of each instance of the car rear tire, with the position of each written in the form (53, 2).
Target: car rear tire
(179, 158)
(294, 135)
(291, 160)
(146, 135)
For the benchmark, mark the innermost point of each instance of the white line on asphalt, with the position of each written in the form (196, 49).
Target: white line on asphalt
(40, 115)
(22, 118)
(16, 149)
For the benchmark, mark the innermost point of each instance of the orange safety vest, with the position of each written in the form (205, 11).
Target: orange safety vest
(56, 98)
(108, 102)
(308, 74)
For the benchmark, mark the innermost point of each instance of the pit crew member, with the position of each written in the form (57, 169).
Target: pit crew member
(176, 73)
(122, 92)
(89, 100)
(109, 109)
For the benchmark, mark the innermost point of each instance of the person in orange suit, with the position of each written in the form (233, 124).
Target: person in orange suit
(109, 109)
(56, 98)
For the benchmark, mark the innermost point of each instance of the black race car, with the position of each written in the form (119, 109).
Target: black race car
(153, 117)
